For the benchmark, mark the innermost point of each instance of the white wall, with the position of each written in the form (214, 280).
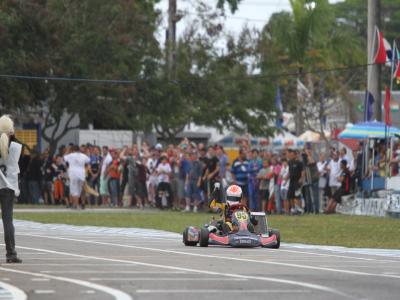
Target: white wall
(110, 138)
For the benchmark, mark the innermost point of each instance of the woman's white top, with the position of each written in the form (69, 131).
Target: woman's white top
(9, 168)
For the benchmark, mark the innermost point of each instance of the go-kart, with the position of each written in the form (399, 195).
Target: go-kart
(249, 230)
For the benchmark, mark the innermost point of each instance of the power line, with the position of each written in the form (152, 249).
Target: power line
(56, 78)
(250, 77)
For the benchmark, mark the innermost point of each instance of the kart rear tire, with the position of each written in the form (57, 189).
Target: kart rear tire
(185, 240)
(278, 238)
(204, 233)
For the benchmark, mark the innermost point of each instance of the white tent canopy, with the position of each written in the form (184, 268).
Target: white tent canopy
(312, 136)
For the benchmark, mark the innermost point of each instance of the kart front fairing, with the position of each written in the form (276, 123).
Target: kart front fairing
(242, 239)
(241, 236)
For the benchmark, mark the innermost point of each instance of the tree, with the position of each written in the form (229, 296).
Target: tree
(211, 87)
(232, 4)
(79, 39)
(301, 42)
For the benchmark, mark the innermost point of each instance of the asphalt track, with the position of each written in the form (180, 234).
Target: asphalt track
(63, 262)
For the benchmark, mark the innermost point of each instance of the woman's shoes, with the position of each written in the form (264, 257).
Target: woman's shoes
(13, 260)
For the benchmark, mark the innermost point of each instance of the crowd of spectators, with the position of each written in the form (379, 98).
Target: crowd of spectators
(181, 177)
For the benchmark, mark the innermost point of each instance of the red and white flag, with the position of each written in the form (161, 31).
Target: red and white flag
(379, 52)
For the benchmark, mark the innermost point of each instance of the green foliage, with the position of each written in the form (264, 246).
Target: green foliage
(305, 40)
(354, 13)
(116, 40)
(233, 4)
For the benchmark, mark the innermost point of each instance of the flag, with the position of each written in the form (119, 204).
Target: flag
(396, 63)
(388, 49)
(278, 100)
(279, 107)
(396, 74)
(389, 52)
(302, 91)
(386, 105)
(369, 106)
(380, 55)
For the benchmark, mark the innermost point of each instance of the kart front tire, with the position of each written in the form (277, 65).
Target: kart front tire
(278, 238)
(204, 233)
(185, 239)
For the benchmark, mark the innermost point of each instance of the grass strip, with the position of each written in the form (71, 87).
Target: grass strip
(335, 230)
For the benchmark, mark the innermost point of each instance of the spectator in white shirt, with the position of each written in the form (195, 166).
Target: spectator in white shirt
(343, 155)
(152, 180)
(334, 173)
(323, 181)
(164, 191)
(77, 163)
(106, 161)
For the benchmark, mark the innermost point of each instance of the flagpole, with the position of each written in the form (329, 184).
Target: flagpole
(366, 147)
(369, 77)
(369, 74)
(394, 51)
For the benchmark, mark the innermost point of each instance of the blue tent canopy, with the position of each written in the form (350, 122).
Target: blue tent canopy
(364, 130)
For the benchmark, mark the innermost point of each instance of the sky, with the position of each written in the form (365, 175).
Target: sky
(253, 13)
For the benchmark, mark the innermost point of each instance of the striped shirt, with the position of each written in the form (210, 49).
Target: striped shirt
(241, 171)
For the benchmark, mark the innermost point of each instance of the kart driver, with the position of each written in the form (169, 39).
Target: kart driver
(233, 198)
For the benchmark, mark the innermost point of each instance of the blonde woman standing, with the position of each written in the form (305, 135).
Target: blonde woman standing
(10, 152)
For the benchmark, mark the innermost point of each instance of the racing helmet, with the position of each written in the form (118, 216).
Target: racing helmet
(233, 194)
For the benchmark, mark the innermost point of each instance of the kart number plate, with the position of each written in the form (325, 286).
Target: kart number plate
(244, 241)
(241, 216)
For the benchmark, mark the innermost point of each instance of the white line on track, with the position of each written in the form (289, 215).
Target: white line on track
(224, 291)
(298, 266)
(157, 279)
(261, 278)
(44, 292)
(72, 264)
(40, 279)
(112, 272)
(89, 292)
(15, 292)
(338, 256)
(116, 294)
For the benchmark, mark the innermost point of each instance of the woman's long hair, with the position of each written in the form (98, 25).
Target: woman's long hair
(6, 129)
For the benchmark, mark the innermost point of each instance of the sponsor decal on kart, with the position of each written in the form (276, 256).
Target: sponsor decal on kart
(193, 235)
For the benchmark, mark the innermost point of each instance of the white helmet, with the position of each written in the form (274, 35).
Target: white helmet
(233, 194)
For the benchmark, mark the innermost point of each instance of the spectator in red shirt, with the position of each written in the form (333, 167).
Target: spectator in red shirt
(114, 175)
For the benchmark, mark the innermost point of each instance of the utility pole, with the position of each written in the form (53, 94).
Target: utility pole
(374, 71)
(173, 18)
